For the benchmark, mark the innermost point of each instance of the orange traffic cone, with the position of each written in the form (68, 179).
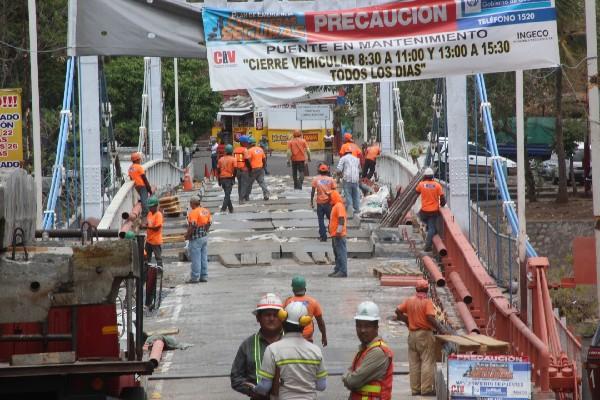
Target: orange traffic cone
(187, 181)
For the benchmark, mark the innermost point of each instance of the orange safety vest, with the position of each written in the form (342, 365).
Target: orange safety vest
(377, 389)
(240, 158)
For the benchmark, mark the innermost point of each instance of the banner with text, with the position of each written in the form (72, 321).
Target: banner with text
(11, 129)
(395, 41)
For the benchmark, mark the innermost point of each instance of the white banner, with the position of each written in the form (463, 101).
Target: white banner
(396, 41)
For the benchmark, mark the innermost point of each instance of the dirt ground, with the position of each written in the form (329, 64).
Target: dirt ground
(578, 208)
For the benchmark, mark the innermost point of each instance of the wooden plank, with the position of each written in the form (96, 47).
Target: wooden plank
(319, 257)
(229, 260)
(302, 257)
(490, 343)
(165, 331)
(248, 258)
(463, 343)
(62, 357)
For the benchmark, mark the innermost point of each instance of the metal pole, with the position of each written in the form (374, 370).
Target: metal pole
(364, 99)
(522, 236)
(177, 149)
(35, 111)
(139, 300)
(594, 123)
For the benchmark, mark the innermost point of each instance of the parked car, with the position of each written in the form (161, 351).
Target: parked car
(480, 159)
(549, 168)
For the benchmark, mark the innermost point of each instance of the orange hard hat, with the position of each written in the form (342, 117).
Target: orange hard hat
(348, 136)
(136, 156)
(297, 133)
(422, 285)
(323, 168)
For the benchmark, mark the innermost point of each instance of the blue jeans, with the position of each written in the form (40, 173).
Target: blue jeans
(429, 219)
(323, 210)
(352, 195)
(199, 255)
(143, 192)
(341, 255)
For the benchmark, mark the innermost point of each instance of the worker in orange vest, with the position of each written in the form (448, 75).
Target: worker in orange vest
(298, 153)
(312, 305)
(321, 185)
(226, 170)
(242, 165)
(199, 220)
(418, 312)
(257, 158)
(432, 197)
(349, 144)
(371, 375)
(138, 175)
(371, 155)
(154, 228)
(337, 230)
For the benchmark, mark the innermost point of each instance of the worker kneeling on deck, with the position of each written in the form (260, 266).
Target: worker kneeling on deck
(250, 353)
(432, 197)
(371, 374)
(418, 312)
(293, 367)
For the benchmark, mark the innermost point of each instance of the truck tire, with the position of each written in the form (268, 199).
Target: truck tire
(134, 393)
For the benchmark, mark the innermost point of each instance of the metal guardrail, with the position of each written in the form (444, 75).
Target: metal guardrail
(160, 173)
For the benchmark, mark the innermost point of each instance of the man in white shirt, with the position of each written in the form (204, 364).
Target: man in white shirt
(349, 168)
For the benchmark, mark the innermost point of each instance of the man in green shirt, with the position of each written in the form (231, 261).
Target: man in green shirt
(250, 353)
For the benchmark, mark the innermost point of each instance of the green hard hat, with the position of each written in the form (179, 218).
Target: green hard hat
(229, 149)
(252, 140)
(298, 282)
(152, 201)
(129, 235)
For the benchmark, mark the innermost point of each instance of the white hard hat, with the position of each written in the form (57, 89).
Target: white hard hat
(269, 301)
(428, 172)
(367, 311)
(296, 313)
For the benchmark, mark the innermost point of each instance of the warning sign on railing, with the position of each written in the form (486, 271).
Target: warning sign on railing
(11, 129)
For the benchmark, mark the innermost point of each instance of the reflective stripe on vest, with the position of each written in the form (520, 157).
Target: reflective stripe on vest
(376, 389)
(257, 356)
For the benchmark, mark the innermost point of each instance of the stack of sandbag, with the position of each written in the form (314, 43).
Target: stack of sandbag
(17, 205)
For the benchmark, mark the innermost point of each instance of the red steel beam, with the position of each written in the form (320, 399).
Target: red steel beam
(461, 290)
(156, 353)
(439, 246)
(467, 318)
(434, 271)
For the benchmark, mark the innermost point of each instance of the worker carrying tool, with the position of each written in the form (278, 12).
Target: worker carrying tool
(242, 166)
(371, 374)
(250, 353)
(349, 145)
(321, 184)
(418, 312)
(257, 159)
(298, 153)
(313, 307)
(293, 367)
(432, 197)
(337, 231)
(226, 172)
(138, 175)
(199, 221)
(154, 229)
(371, 155)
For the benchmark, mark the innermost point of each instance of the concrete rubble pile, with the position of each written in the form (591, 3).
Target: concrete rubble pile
(15, 185)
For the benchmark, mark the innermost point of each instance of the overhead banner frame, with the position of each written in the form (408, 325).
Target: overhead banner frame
(391, 42)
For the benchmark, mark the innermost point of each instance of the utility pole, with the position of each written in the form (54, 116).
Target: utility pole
(177, 149)
(35, 110)
(524, 298)
(364, 99)
(594, 123)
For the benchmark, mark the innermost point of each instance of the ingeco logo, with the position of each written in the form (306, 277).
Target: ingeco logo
(224, 57)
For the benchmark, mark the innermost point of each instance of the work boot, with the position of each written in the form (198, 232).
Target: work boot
(266, 198)
(332, 274)
(339, 275)
(427, 249)
(191, 280)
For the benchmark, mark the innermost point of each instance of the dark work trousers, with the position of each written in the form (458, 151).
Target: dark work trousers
(298, 173)
(429, 218)
(242, 178)
(368, 169)
(323, 210)
(157, 250)
(227, 185)
(258, 175)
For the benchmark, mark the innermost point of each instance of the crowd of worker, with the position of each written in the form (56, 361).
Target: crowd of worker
(280, 360)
